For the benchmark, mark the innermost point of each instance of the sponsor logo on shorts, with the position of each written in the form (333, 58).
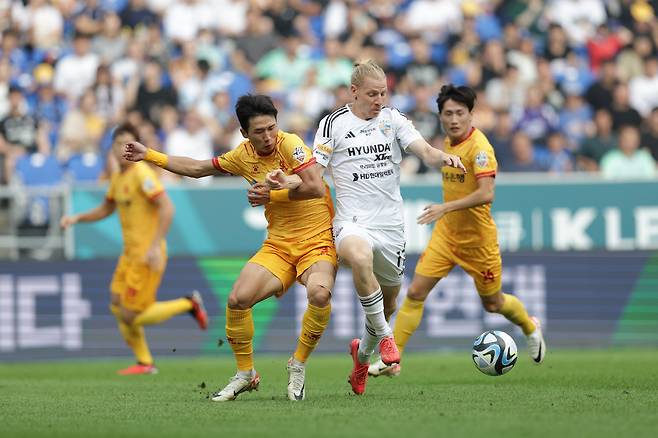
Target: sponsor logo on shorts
(488, 276)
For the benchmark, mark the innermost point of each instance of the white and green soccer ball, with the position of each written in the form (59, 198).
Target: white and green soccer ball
(494, 353)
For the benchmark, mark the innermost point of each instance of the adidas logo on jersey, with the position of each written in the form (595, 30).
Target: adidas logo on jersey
(350, 135)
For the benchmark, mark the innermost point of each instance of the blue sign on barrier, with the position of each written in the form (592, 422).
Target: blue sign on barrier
(559, 215)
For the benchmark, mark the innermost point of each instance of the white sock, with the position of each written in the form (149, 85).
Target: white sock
(373, 306)
(297, 363)
(368, 343)
(376, 325)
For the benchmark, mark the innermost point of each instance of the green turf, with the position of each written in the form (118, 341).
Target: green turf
(574, 393)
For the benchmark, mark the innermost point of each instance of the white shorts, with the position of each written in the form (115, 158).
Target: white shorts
(387, 250)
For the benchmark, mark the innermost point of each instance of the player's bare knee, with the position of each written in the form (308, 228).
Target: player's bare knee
(417, 293)
(360, 260)
(127, 316)
(238, 301)
(319, 294)
(492, 306)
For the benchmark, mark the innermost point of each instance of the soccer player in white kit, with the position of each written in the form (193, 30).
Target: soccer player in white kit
(360, 145)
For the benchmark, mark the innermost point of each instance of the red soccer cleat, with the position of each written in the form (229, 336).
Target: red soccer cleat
(359, 375)
(138, 369)
(389, 351)
(198, 310)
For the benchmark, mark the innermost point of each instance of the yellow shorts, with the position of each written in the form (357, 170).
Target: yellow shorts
(136, 283)
(483, 263)
(288, 261)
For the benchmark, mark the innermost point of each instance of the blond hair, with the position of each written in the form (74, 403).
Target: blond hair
(366, 69)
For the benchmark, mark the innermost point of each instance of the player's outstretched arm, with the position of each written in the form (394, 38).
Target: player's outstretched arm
(434, 157)
(93, 215)
(135, 151)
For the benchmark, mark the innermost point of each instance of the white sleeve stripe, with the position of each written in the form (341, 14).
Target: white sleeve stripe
(327, 126)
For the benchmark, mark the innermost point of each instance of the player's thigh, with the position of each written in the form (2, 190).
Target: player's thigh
(389, 257)
(485, 266)
(354, 245)
(274, 257)
(421, 286)
(118, 283)
(254, 284)
(316, 262)
(141, 286)
(437, 260)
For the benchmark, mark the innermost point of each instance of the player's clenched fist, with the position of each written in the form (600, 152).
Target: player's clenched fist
(278, 180)
(134, 151)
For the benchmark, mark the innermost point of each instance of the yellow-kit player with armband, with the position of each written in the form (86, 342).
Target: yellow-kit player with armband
(299, 244)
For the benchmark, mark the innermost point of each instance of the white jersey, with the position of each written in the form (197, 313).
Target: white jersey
(363, 158)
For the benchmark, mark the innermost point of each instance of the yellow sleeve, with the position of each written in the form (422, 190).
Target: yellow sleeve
(149, 183)
(484, 160)
(229, 163)
(296, 154)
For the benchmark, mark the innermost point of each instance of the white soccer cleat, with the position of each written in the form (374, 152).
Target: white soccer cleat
(296, 381)
(236, 386)
(536, 343)
(379, 368)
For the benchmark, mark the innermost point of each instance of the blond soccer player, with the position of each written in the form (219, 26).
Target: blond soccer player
(299, 244)
(465, 233)
(360, 145)
(145, 213)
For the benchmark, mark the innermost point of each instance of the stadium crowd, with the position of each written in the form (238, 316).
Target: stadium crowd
(563, 85)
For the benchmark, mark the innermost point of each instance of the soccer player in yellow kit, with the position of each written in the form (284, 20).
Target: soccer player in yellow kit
(299, 244)
(465, 233)
(145, 213)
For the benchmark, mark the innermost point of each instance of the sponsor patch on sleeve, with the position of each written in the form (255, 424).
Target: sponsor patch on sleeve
(482, 160)
(299, 155)
(148, 185)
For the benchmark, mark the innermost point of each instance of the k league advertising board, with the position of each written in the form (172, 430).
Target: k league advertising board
(592, 299)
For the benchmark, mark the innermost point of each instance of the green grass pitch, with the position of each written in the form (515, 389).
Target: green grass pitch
(574, 393)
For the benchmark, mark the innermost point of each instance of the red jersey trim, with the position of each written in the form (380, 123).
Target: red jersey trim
(216, 165)
(155, 195)
(483, 174)
(470, 134)
(304, 166)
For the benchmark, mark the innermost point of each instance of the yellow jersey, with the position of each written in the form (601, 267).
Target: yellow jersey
(133, 191)
(471, 227)
(290, 221)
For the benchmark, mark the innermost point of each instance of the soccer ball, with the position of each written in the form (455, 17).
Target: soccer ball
(494, 352)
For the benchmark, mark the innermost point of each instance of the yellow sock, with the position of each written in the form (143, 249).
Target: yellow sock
(239, 333)
(134, 337)
(315, 321)
(162, 311)
(514, 310)
(407, 321)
